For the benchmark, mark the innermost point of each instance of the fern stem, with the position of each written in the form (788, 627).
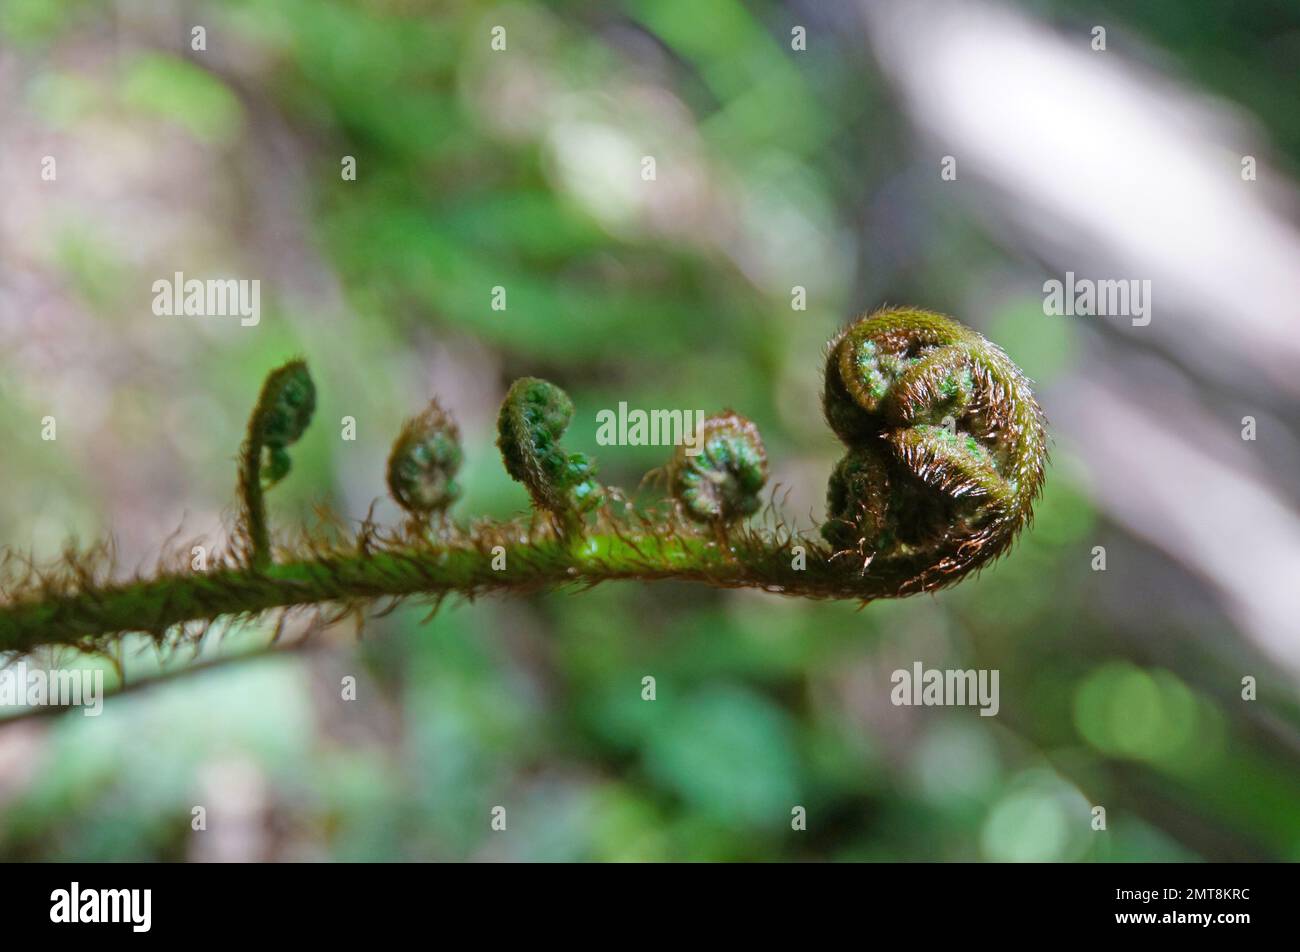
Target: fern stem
(87, 616)
(253, 503)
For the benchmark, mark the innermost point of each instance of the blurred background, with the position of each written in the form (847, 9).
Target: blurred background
(797, 145)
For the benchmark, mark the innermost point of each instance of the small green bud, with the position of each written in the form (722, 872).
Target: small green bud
(286, 405)
(284, 410)
(424, 461)
(533, 417)
(722, 482)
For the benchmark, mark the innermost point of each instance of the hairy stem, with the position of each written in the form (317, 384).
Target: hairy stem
(468, 568)
(253, 502)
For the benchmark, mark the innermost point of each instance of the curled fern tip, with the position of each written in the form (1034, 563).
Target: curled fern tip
(718, 479)
(533, 417)
(947, 447)
(424, 461)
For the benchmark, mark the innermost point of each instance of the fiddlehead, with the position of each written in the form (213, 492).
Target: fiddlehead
(947, 448)
(533, 417)
(718, 480)
(283, 411)
(423, 463)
